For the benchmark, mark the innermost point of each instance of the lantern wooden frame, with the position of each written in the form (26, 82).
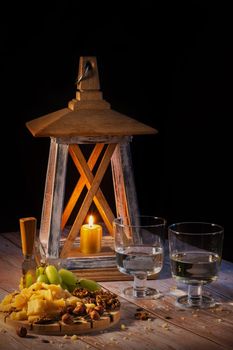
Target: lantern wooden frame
(87, 120)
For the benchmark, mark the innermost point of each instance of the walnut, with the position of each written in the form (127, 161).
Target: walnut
(81, 293)
(90, 308)
(142, 315)
(108, 300)
(94, 315)
(67, 318)
(69, 309)
(103, 298)
(99, 309)
(90, 300)
(80, 309)
(21, 331)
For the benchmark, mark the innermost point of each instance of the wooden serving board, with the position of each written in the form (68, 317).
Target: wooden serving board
(59, 328)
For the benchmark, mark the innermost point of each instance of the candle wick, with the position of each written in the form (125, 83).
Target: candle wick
(91, 221)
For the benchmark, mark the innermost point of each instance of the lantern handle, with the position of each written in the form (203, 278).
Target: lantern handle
(88, 70)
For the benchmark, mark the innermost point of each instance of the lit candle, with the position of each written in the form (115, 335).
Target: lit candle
(90, 237)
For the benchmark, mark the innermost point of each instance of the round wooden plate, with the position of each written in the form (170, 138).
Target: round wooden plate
(59, 328)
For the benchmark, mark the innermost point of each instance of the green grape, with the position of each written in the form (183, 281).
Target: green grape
(68, 277)
(64, 286)
(89, 284)
(70, 287)
(40, 271)
(60, 279)
(52, 274)
(43, 278)
(29, 278)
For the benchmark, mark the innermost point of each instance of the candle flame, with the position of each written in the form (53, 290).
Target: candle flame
(91, 220)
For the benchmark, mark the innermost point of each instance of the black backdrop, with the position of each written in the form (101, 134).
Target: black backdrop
(169, 66)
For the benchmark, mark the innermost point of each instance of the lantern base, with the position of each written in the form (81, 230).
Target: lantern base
(106, 258)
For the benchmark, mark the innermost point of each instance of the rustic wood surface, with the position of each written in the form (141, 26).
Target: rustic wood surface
(168, 327)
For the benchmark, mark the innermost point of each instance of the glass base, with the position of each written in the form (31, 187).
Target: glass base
(204, 303)
(149, 293)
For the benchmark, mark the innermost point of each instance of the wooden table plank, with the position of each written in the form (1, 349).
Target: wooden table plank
(13, 237)
(9, 340)
(150, 334)
(216, 326)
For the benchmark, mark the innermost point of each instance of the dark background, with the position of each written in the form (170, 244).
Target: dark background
(169, 66)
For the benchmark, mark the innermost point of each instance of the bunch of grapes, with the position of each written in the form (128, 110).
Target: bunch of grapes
(65, 278)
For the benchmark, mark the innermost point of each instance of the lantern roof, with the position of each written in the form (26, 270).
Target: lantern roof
(88, 114)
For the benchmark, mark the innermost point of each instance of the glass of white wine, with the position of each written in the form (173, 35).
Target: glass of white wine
(139, 251)
(195, 250)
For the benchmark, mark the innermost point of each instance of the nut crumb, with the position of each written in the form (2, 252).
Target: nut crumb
(65, 336)
(142, 315)
(219, 320)
(173, 288)
(45, 341)
(74, 337)
(21, 332)
(165, 325)
(219, 309)
(123, 327)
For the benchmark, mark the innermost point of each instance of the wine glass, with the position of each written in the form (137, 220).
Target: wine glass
(139, 251)
(195, 250)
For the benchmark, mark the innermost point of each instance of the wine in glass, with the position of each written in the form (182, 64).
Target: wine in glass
(195, 250)
(139, 251)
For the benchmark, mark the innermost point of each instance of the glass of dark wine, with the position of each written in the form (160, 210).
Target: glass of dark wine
(195, 250)
(139, 251)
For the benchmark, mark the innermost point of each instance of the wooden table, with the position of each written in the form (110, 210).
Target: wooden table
(168, 327)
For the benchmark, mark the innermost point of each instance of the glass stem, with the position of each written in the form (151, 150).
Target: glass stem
(139, 285)
(195, 295)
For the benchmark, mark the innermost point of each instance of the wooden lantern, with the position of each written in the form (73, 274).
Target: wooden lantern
(88, 119)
